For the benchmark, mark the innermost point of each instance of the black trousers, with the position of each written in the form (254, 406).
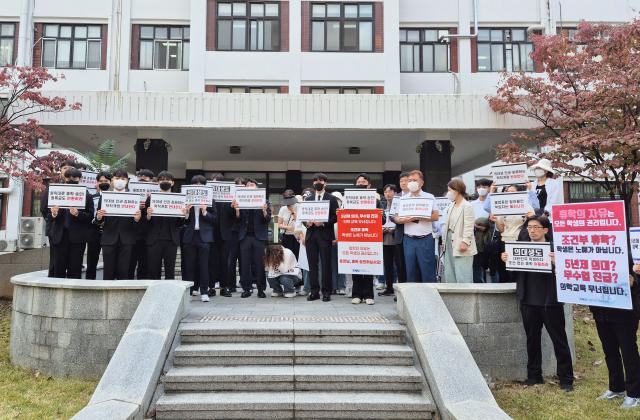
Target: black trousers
(291, 243)
(392, 256)
(52, 259)
(116, 260)
(196, 263)
(139, 260)
(620, 339)
(402, 272)
(252, 264)
(232, 247)
(552, 318)
(319, 247)
(161, 252)
(362, 286)
(93, 255)
(68, 258)
(217, 265)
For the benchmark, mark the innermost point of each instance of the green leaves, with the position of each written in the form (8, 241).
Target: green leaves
(105, 158)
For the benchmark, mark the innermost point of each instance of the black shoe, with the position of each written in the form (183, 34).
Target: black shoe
(326, 298)
(225, 293)
(245, 294)
(532, 381)
(233, 290)
(566, 387)
(395, 299)
(386, 293)
(313, 296)
(261, 294)
(212, 292)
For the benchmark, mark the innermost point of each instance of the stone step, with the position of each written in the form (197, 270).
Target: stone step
(288, 331)
(203, 354)
(289, 405)
(289, 378)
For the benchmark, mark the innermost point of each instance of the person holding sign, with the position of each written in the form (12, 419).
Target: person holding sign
(68, 231)
(287, 217)
(539, 307)
(392, 246)
(458, 236)
(163, 235)
(253, 234)
(549, 190)
(138, 264)
(103, 183)
(118, 233)
(418, 242)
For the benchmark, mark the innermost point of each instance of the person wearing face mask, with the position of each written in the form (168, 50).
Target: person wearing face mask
(418, 241)
(318, 239)
(458, 235)
(548, 189)
(138, 263)
(218, 254)
(287, 221)
(163, 235)
(95, 232)
(482, 188)
(69, 229)
(118, 233)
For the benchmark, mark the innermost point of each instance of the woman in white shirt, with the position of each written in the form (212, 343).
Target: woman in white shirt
(458, 235)
(282, 271)
(287, 222)
(549, 189)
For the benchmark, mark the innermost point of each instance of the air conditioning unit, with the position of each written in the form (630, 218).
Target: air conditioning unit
(31, 232)
(8, 246)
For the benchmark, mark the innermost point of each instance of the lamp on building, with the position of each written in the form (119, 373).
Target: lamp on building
(235, 150)
(354, 150)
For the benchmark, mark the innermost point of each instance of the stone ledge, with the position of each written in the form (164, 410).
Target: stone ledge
(40, 279)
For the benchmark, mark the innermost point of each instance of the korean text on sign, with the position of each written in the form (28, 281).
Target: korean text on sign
(509, 174)
(364, 199)
(143, 188)
(510, 204)
(416, 207)
(167, 204)
(223, 192)
(313, 211)
(528, 256)
(197, 195)
(67, 196)
(122, 204)
(360, 242)
(251, 198)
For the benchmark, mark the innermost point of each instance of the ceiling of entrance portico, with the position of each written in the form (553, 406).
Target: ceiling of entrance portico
(472, 148)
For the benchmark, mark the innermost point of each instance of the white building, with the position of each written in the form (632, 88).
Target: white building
(299, 86)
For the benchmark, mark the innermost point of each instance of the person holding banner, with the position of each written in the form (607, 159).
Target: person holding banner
(118, 233)
(539, 307)
(482, 188)
(287, 221)
(103, 183)
(392, 246)
(163, 235)
(253, 234)
(549, 190)
(458, 235)
(68, 230)
(139, 251)
(283, 271)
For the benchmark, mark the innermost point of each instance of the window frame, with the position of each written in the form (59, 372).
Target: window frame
(342, 20)
(247, 89)
(248, 18)
(341, 90)
(421, 43)
(184, 64)
(13, 42)
(504, 42)
(72, 40)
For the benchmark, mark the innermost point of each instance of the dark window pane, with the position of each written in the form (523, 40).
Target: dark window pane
(430, 35)
(185, 55)
(239, 9)
(483, 35)
(161, 33)
(186, 32)
(94, 54)
(239, 31)
(333, 10)
(257, 9)
(79, 54)
(146, 32)
(6, 52)
(441, 57)
(63, 56)
(427, 58)
(146, 54)
(272, 9)
(224, 9)
(65, 32)
(413, 36)
(48, 53)
(497, 60)
(351, 11)
(366, 11)
(350, 36)
(496, 35)
(95, 32)
(51, 31)
(176, 33)
(80, 32)
(318, 10)
(7, 29)
(517, 35)
(160, 54)
(406, 58)
(484, 57)
(366, 36)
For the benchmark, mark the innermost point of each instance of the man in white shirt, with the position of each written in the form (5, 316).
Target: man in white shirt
(418, 242)
(482, 187)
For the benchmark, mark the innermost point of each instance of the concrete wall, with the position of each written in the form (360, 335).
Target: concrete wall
(13, 263)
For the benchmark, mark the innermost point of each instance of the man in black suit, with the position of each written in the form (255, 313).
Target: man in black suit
(68, 230)
(197, 239)
(318, 241)
(95, 231)
(227, 245)
(139, 251)
(217, 259)
(163, 235)
(253, 233)
(118, 234)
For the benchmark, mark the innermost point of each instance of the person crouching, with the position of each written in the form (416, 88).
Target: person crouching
(283, 272)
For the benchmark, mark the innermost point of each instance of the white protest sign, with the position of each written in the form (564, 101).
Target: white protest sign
(360, 248)
(416, 206)
(167, 204)
(509, 174)
(303, 262)
(359, 199)
(198, 194)
(528, 256)
(251, 198)
(442, 205)
(395, 205)
(313, 211)
(223, 192)
(388, 224)
(120, 203)
(88, 179)
(67, 196)
(634, 238)
(510, 204)
(143, 188)
(591, 253)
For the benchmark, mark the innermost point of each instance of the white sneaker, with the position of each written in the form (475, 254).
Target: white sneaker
(369, 302)
(381, 286)
(610, 395)
(341, 292)
(204, 298)
(276, 294)
(290, 295)
(355, 301)
(301, 292)
(630, 402)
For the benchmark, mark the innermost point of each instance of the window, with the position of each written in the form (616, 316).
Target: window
(248, 89)
(7, 43)
(588, 191)
(72, 46)
(422, 52)
(164, 47)
(248, 26)
(504, 49)
(342, 90)
(342, 27)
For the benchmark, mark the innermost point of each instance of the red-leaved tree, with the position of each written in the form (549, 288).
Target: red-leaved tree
(21, 100)
(587, 104)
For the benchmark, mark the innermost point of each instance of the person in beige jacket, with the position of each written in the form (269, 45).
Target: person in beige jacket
(458, 235)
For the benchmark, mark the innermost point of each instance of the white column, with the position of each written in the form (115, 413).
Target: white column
(295, 45)
(465, 19)
(122, 52)
(25, 37)
(198, 45)
(392, 46)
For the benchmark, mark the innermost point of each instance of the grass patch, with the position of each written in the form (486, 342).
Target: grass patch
(549, 402)
(25, 394)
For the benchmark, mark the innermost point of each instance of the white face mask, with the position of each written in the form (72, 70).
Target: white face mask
(120, 184)
(413, 186)
(483, 192)
(451, 195)
(539, 172)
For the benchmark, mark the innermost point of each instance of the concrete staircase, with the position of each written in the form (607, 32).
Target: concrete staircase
(286, 371)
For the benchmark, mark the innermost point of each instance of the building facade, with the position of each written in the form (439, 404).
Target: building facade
(281, 89)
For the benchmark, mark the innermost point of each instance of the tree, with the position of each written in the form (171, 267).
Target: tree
(587, 105)
(21, 100)
(104, 158)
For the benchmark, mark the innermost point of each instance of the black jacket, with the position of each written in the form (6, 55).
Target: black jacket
(260, 223)
(229, 224)
(115, 227)
(161, 227)
(77, 226)
(621, 315)
(325, 231)
(205, 224)
(541, 284)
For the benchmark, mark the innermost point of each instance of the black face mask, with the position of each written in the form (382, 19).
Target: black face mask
(104, 186)
(165, 185)
(71, 181)
(318, 186)
(362, 187)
